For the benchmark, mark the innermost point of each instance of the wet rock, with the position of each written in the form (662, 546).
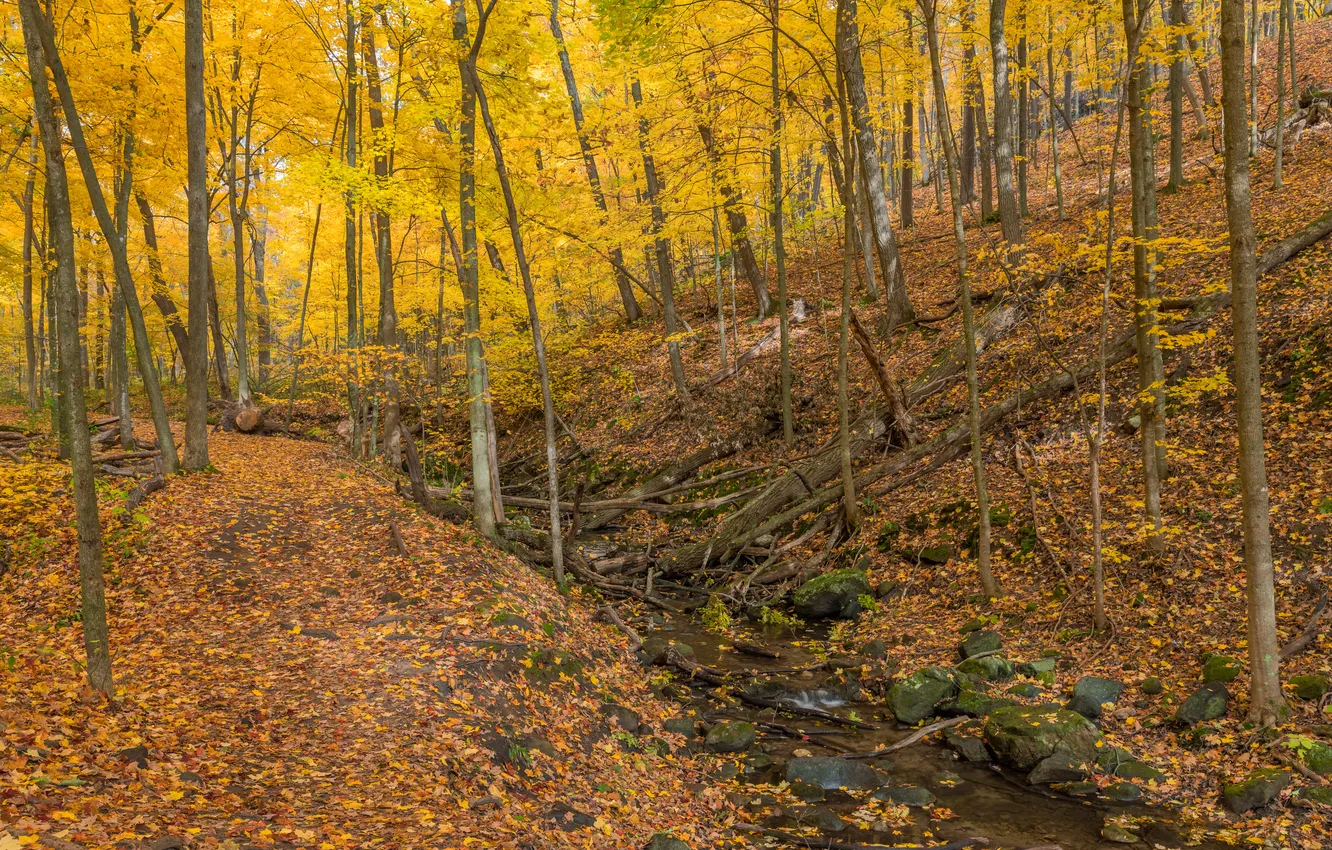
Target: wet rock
(1207, 703)
(876, 649)
(973, 703)
(1152, 686)
(757, 763)
(731, 736)
(1118, 834)
(991, 668)
(1079, 789)
(1261, 788)
(1318, 758)
(1022, 736)
(1027, 690)
(807, 792)
(1041, 669)
(914, 698)
(820, 817)
(1091, 693)
(627, 718)
(833, 594)
(905, 795)
(1310, 687)
(662, 841)
(947, 779)
(977, 642)
(1108, 759)
(969, 747)
(1123, 792)
(681, 726)
(1220, 668)
(828, 773)
(1059, 767)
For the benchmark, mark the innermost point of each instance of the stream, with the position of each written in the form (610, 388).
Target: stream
(984, 800)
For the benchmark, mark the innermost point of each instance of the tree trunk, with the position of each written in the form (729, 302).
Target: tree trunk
(1143, 197)
(1176, 99)
(898, 308)
(632, 311)
(200, 275)
(484, 486)
(29, 240)
(61, 238)
(1266, 704)
(219, 342)
(850, 507)
(665, 269)
(1054, 128)
(737, 224)
(1278, 140)
(533, 316)
(160, 292)
(115, 240)
(263, 318)
(1024, 116)
(908, 178)
(351, 254)
(989, 586)
(1010, 219)
(778, 237)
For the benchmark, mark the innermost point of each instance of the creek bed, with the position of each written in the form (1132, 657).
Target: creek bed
(984, 800)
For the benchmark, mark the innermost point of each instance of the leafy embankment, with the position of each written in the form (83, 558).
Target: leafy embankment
(287, 676)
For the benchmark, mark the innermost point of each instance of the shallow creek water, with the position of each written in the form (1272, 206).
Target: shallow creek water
(984, 800)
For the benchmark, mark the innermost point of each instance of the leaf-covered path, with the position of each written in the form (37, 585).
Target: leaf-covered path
(294, 680)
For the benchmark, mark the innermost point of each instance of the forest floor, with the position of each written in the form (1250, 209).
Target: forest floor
(288, 677)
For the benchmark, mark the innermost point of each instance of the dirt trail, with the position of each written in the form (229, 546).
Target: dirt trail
(298, 682)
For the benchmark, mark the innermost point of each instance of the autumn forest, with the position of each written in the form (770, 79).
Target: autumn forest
(665, 425)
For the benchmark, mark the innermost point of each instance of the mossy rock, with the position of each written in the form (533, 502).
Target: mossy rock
(1319, 796)
(1221, 668)
(915, 697)
(905, 795)
(1151, 686)
(991, 668)
(1139, 771)
(1123, 792)
(828, 773)
(1318, 758)
(731, 736)
(662, 841)
(833, 594)
(1023, 736)
(933, 555)
(978, 642)
(1310, 687)
(1260, 788)
(1026, 690)
(1041, 669)
(974, 703)
(1207, 703)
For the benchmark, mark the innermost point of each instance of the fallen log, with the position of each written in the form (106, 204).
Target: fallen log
(613, 617)
(768, 512)
(903, 425)
(138, 494)
(115, 456)
(739, 363)
(915, 737)
(1310, 633)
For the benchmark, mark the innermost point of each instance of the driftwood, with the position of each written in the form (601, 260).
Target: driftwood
(746, 648)
(915, 737)
(833, 844)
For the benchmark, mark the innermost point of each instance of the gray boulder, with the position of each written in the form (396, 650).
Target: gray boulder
(979, 641)
(1022, 736)
(828, 773)
(1091, 693)
(833, 594)
(1207, 703)
(914, 698)
(731, 736)
(1261, 788)
(991, 668)
(905, 795)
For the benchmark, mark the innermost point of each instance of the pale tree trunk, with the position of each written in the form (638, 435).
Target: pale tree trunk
(863, 233)
(908, 178)
(665, 269)
(238, 200)
(1010, 219)
(1144, 290)
(717, 269)
(116, 242)
(200, 267)
(778, 236)
(484, 487)
(1054, 128)
(1266, 704)
(300, 328)
(1023, 114)
(850, 507)
(533, 316)
(1254, 76)
(388, 312)
(989, 586)
(351, 257)
(1278, 140)
(61, 237)
(898, 308)
(29, 240)
(632, 311)
(1176, 100)
(263, 318)
(983, 142)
